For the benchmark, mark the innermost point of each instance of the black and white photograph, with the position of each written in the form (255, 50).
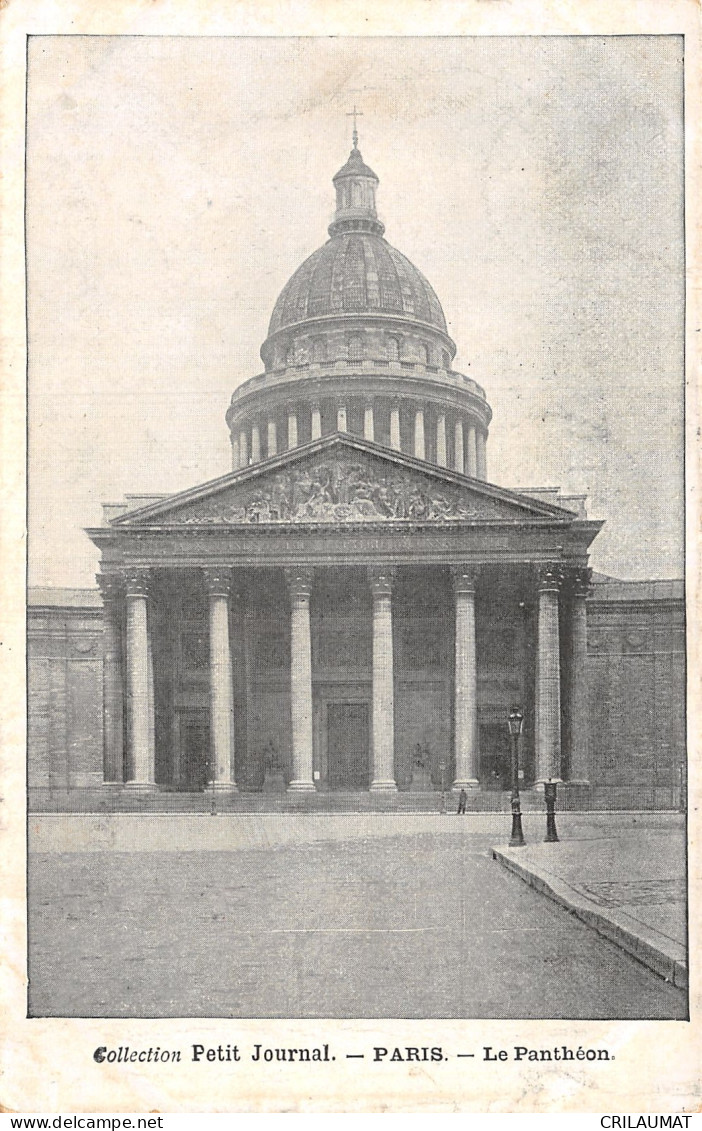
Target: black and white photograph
(356, 577)
(356, 609)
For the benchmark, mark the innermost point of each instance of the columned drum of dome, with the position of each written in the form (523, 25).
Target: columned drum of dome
(358, 336)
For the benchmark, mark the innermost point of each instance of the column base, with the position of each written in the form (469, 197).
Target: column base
(387, 786)
(224, 787)
(301, 786)
(467, 783)
(141, 786)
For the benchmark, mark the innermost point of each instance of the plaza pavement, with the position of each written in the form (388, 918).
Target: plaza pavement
(626, 879)
(317, 915)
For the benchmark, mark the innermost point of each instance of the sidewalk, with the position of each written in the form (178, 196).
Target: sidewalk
(626, 882)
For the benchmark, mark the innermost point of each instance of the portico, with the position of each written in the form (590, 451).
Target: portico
(354, 608)
(284, 622)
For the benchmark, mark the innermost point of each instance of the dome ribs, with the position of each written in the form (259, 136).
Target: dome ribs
(302, 290)
(372, 280)
(354, 275)
(390, 299)
(320, 283)
(336, 289)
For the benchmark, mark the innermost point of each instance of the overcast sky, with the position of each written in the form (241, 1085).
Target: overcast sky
(174, 184)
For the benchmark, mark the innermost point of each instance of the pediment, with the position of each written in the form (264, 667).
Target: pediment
(342, 481)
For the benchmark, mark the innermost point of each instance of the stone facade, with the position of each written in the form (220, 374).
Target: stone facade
(64, 685)
(636, 663)
(354, 608)
(635, 673)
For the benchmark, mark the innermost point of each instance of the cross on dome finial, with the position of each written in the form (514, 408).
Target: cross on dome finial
(355, 114)
(355, 185)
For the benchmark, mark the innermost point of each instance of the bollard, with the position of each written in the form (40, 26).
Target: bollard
(550, 788)
(517, 838)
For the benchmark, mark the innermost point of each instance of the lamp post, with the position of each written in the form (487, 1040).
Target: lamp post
(515, 723)
(442, 767)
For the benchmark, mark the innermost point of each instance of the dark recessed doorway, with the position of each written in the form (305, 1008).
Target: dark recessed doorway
(348, 746)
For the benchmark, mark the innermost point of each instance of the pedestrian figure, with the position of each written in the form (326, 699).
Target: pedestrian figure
(462, 799)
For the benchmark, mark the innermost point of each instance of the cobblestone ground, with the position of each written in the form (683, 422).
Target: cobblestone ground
(419, 925)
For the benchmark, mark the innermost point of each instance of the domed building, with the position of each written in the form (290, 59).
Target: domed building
(349, 616)
(357, 343)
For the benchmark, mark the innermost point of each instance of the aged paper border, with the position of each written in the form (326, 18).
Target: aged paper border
(47, 1063)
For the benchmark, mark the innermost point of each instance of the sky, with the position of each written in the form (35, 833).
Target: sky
(174, 184)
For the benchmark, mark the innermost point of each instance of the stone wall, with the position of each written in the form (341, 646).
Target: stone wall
(64, 674)
(636, 662)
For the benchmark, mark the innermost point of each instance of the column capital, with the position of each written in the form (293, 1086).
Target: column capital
(137, 582)
(550, 577)
(465, 578)
(299, 582)
(380, 579)
(579, 581)
(218, 581)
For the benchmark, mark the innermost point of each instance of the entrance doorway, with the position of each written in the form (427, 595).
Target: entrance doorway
(194, 733)
(348, 747)
(495, 760)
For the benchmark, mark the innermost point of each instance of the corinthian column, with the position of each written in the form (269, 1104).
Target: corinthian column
(139, 683)
(577, 681)
(395, 441)
(419, 446)
(112, 693)
(458, 447)
(255, 443)
(548, 677)
(383, 726)
(471, 453)
(316, 422)
(243, 448)
(481, 454)
(221, 693)
(466, 680)
(368, 422)
(300, 586)
(441, 440)
(272, 439)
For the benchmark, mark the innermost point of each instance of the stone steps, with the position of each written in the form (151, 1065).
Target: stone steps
(118, 800)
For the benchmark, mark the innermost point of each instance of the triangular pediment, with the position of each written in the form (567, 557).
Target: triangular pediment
(342, 479)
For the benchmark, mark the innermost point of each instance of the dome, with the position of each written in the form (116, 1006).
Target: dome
(357, 272)
(357, 343)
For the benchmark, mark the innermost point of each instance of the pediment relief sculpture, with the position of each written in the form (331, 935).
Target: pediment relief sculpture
(338, 491)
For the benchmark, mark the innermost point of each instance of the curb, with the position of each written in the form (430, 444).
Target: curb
(662, 961)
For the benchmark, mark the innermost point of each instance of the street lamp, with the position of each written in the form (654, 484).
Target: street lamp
(442, 767)
(515, 723)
